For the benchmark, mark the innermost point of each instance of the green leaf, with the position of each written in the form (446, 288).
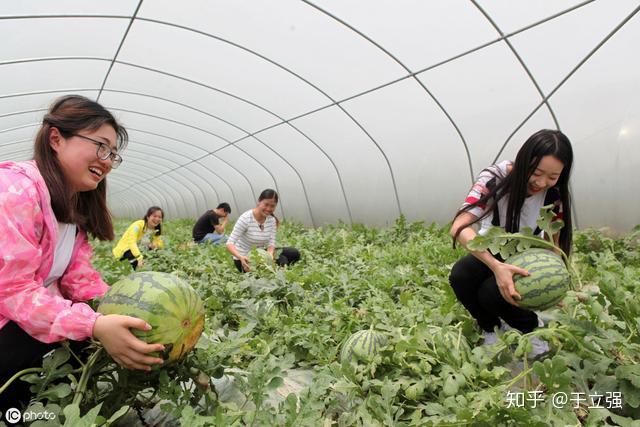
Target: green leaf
(554, 374)
(57, 391)
(117, 415)
(630, 373)
(275, 383)
(57, 358)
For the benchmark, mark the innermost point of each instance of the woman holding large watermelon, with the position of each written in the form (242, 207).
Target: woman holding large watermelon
(510, 195)
(47, 207)
(256, 228)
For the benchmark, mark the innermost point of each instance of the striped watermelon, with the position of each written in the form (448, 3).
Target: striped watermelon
(172, 308)
(548, 281)
(362, 345)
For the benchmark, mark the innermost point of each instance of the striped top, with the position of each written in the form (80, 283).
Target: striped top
(530, 208)
(247, 234)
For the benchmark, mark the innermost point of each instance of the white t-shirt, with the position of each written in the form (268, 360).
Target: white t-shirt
(62, 254)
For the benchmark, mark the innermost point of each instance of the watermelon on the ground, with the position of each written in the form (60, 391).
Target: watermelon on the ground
(548, 280)
(362, 345)
(169, 304)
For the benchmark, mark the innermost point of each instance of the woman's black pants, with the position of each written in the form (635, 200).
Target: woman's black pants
(475, 287)
(18, 351)
(288, 256)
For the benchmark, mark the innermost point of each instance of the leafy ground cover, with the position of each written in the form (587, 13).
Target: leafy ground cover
(270, 354)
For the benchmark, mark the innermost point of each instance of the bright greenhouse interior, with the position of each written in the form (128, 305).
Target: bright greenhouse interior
(275, 188)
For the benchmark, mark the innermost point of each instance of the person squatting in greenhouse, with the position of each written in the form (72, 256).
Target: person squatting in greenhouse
(145, 232)
(256, 228)
(48, 205)
(209, 228)
(510, 195)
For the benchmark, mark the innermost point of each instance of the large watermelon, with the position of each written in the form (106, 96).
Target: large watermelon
(362, 345)
(172, 308)
(548, 279)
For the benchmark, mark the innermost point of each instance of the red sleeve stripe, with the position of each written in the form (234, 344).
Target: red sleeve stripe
(471, 200)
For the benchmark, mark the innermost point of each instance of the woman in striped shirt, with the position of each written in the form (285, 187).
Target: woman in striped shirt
(256, 228)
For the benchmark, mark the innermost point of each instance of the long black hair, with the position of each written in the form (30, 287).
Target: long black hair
(542, 143)
(151, 211)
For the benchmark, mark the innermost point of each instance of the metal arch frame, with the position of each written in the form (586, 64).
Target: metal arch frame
(176, 189)
(170, 121)
(186, 125)
(44, 92)
(20, 141)
(207, 152)
(282, 67)
(181, 184)
(567, 77)
(202, 85)
(411, 75)
(18, 127)
(132, 179)
(114, 179)
(175, 139)
(127, 178)
(144, 144)
(184, 142)
(113, 61)
(17, 113)
(571, 73)
(245, 101)
(142, 194)
(414, 74)
(520, 60)
(128, 205)
(204, 196)
(138, 205)
(202, 166)
(138, 130)
(115, 56)
(219, 158)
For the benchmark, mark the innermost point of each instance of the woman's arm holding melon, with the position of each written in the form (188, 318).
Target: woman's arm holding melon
(503, 272)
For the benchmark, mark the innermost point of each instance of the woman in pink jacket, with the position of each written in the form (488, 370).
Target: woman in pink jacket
(47, 207)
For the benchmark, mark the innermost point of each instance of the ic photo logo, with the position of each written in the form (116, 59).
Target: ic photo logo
(12, 415)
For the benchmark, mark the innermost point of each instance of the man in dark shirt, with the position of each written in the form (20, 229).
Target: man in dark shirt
(209, 228)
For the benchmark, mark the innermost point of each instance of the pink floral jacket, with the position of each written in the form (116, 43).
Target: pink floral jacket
(28, 236)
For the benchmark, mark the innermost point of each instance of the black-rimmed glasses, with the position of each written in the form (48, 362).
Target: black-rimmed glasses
(104, 152)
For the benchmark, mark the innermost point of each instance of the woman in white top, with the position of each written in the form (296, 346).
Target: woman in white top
(256, 228)
(510, 195)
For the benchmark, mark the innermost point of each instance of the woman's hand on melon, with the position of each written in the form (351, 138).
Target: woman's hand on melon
(112, 330)
(245, 263)
(504, 278)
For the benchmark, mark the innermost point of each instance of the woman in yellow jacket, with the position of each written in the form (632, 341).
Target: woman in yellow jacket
(146, 232)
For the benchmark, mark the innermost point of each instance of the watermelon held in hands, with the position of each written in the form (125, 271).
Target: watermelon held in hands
(169, 304)
(362, 345)
(548, 280)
